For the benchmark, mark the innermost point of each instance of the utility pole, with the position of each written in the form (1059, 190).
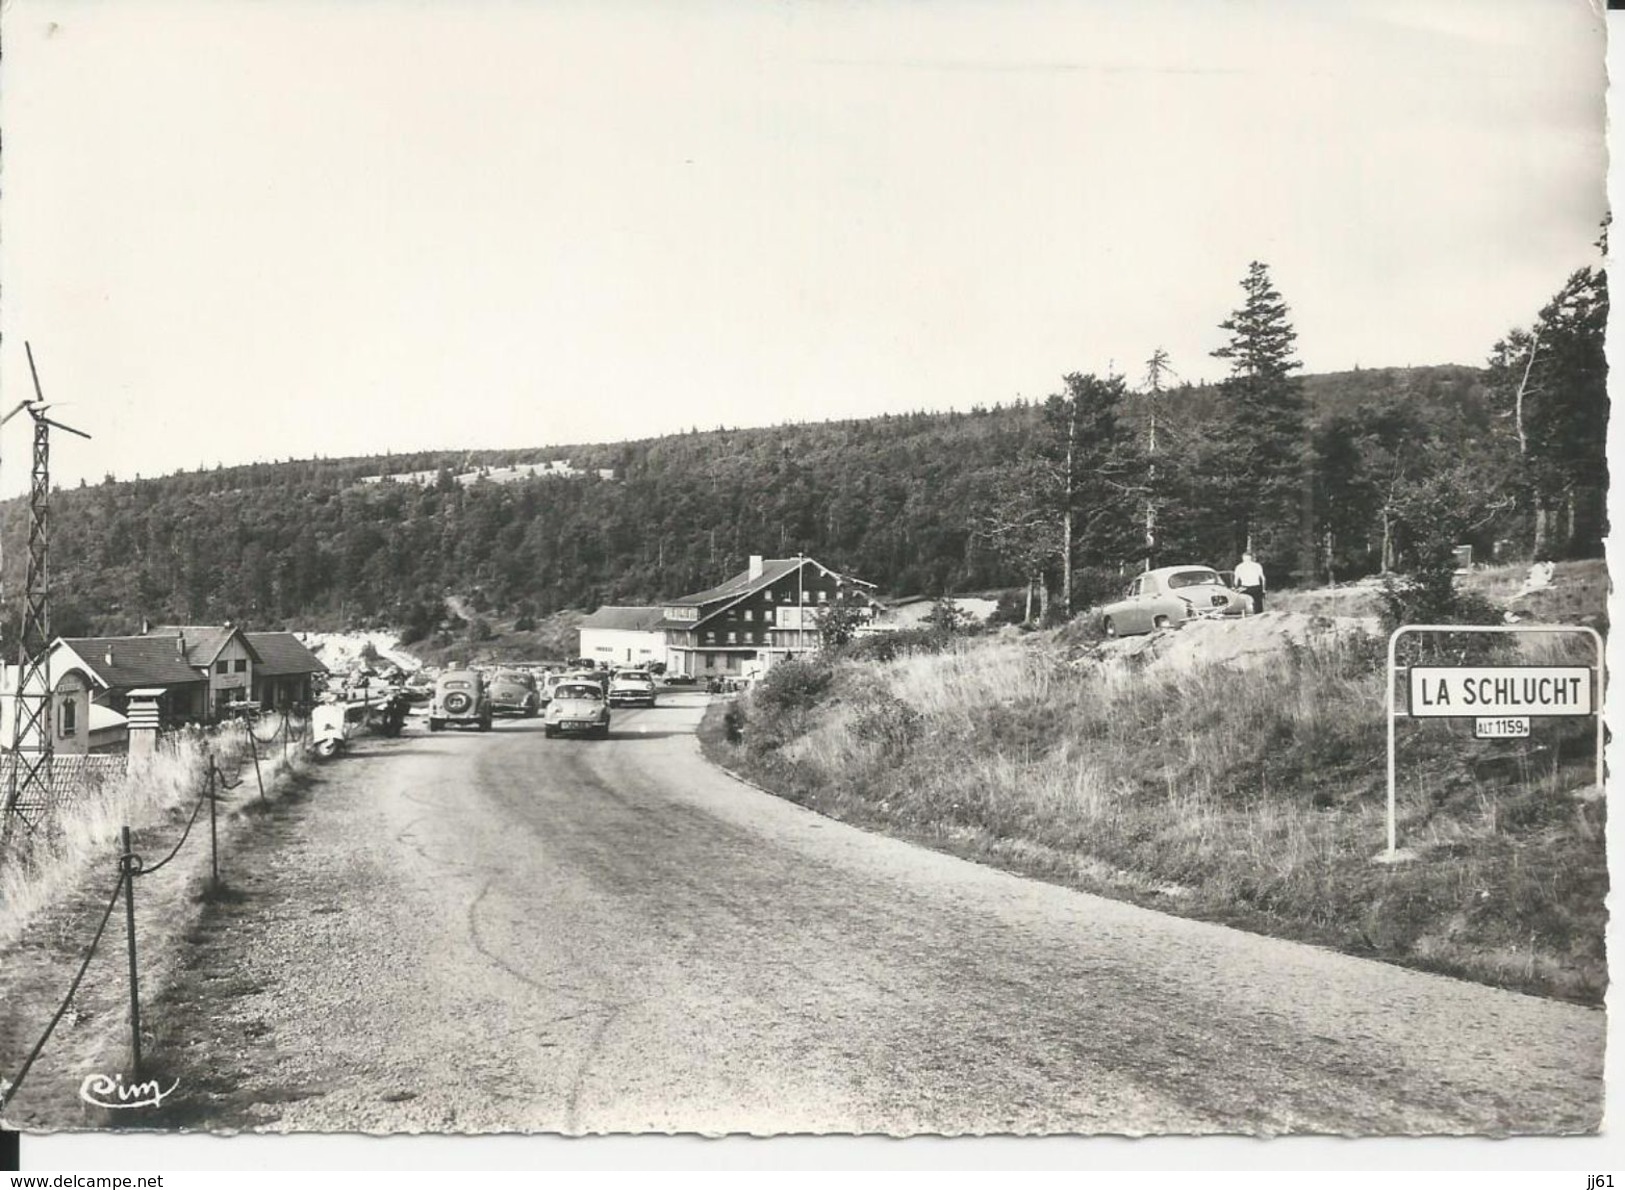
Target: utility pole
(29, 785)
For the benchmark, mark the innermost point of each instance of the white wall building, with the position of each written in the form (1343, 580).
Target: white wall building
(624, 636)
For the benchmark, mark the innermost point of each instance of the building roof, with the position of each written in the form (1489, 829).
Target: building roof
(282, 654)
(121, 662)
(626, 619)
(742, 583)
(203, 641)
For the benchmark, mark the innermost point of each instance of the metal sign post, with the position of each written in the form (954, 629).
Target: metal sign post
(1500, 698)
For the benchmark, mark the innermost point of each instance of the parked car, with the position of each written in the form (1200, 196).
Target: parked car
(513, 692)
(632, 687)
(461, 699)
(1169, 596)
(679, 680)
(577, 708)
(598, 677)
(419, 688)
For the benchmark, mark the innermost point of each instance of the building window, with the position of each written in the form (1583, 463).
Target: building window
(710, 639)
(240, 665)
(806, 596)
(221, 667)
(733, 638)
(823, 597)
(767, 596)
(70, 716)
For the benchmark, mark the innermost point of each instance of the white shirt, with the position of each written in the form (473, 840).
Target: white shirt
(1249, 574)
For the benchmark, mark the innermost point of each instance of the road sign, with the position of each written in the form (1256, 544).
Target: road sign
(1470, 692)
(1501, 729)
(1505, 695)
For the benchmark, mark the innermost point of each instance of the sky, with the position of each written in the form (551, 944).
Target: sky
(242, 231)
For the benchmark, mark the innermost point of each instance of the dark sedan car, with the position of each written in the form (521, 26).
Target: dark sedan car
(514, 693)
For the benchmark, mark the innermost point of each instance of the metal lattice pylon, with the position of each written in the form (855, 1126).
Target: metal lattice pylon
(30, 788)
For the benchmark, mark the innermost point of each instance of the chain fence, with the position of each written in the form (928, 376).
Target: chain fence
(131, 867)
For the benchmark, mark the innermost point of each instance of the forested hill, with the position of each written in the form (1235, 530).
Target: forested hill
(892, 499)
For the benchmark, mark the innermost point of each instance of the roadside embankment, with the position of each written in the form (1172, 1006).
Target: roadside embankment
(59, 882)
(1228, 771)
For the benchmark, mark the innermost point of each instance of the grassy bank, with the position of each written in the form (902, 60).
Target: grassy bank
(1250, 794)
(82, 834)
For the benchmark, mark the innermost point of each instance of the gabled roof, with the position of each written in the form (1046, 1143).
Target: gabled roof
(626, 619)
(743, 583)
(282, 654)
(203, 641)
(123, 662)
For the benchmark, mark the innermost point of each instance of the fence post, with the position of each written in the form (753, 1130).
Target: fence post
(254, 751)
(127, 865)
(214, 841)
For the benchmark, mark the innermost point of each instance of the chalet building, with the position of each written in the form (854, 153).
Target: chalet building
(204, 671)
(624, 636)
(769, 611)
(286, 672)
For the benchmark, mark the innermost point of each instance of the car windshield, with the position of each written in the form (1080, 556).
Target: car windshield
(1191, 578)
(577, 691)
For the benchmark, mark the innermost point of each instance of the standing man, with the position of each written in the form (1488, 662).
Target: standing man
(1250, 581)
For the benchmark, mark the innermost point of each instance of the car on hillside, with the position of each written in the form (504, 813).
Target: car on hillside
(632, 687)
(1170, 596)
(679, 680)
(577, 708)
(513, 692)
(461, 699)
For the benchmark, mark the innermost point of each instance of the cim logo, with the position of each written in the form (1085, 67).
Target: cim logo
(101, 1090)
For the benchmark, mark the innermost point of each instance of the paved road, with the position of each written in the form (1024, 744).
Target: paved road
(503, 932)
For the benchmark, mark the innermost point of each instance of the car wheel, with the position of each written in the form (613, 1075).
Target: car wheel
(1109, 626)
(1160, 622)
(550, 732)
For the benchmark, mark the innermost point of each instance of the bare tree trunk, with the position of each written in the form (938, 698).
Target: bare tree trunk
(1543, 529)
(1387, 542)
(1043, 601)
(1028, 617)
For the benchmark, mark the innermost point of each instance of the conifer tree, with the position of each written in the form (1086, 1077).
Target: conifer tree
(1264, 428)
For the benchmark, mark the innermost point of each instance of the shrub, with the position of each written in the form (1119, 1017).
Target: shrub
(889, 646)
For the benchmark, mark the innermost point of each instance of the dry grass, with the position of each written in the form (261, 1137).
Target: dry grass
(1250, 797)
(38, 870)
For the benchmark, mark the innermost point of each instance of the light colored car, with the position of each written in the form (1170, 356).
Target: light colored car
(513, 692)
(577, 708)
(460, 700)
(1168, 597)
(632, 687)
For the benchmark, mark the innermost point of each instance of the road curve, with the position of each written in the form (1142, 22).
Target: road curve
(499, 932)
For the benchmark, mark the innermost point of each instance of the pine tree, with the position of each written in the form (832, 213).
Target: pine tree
(1265, 426)
(1554, 378)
